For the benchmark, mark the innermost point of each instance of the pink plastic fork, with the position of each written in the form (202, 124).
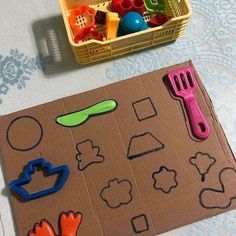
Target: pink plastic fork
(184, 85)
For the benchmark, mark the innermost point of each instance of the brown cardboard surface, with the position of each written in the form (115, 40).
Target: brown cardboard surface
(138, 171)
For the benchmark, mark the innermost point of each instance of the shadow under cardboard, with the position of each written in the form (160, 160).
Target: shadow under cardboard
(55, 51)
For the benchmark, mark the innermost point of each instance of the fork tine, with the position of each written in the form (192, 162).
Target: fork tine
(184, 81)
(177, 82)
(190, 78)
(180, 82)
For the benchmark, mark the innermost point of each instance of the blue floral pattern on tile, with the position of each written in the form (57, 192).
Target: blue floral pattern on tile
(15, 69)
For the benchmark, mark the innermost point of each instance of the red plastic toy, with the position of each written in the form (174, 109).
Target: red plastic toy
(158, 20)
(124, 6)
(80, 31)
(92, 34)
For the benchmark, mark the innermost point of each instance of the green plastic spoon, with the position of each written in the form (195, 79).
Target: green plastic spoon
(79, 117)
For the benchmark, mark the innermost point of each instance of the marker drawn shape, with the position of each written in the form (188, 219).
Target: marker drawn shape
(140, 224)
(165, 179)
(144, 109)
(211, 198)
(117, 193)
(143, 144)
(88, 154)
(24, 133)
(203, 163)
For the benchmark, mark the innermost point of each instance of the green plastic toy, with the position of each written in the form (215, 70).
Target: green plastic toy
(79, 117)
(154, 6)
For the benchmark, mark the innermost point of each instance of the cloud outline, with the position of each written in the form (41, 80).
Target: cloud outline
(109, 185)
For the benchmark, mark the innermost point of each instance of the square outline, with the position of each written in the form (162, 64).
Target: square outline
(148, 117)
(133, 225)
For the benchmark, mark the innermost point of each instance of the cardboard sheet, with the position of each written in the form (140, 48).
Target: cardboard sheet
(136, 170)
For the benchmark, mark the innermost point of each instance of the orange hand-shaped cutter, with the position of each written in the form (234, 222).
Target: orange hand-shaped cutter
(88, 15)
(42, 229)
(69, 223)
(68, 226)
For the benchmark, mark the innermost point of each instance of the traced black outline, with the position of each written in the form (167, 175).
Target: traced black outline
(133, 225)
(146, 152)
(217, 191)
(148, 117)
(40, 224)
(108, 186)
(3, 230)
(158, 172)
(93, 162)
(25, 149)
(67, 213)
(203, 177)
(89, 115)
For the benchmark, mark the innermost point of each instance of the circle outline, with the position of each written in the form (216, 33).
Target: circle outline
(25, 149)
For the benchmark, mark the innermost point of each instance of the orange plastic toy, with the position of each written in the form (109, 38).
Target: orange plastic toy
(112, 24)
(86, 15)
(68, 226)
(42, 229)
(69, 223)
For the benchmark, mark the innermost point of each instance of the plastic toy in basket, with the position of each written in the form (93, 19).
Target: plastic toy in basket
(154, 6)
(132, 22)
(82, 21)
(112, 24)
(93, 34)
(124, 6)
(91, 51)
(158, 20)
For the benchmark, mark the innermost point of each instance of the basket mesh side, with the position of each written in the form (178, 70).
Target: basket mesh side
(96, 52)
(81, 21)
(174, 6)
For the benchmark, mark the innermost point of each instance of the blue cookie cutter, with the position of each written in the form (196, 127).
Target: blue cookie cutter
(16, 185)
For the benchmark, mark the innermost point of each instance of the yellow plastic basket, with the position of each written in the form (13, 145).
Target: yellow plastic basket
(91, 50)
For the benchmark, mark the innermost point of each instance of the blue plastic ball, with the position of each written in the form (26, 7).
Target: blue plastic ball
(133, 22)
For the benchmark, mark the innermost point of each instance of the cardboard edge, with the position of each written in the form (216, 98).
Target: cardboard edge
(216, 124)
(215, 121)
(9, 196)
